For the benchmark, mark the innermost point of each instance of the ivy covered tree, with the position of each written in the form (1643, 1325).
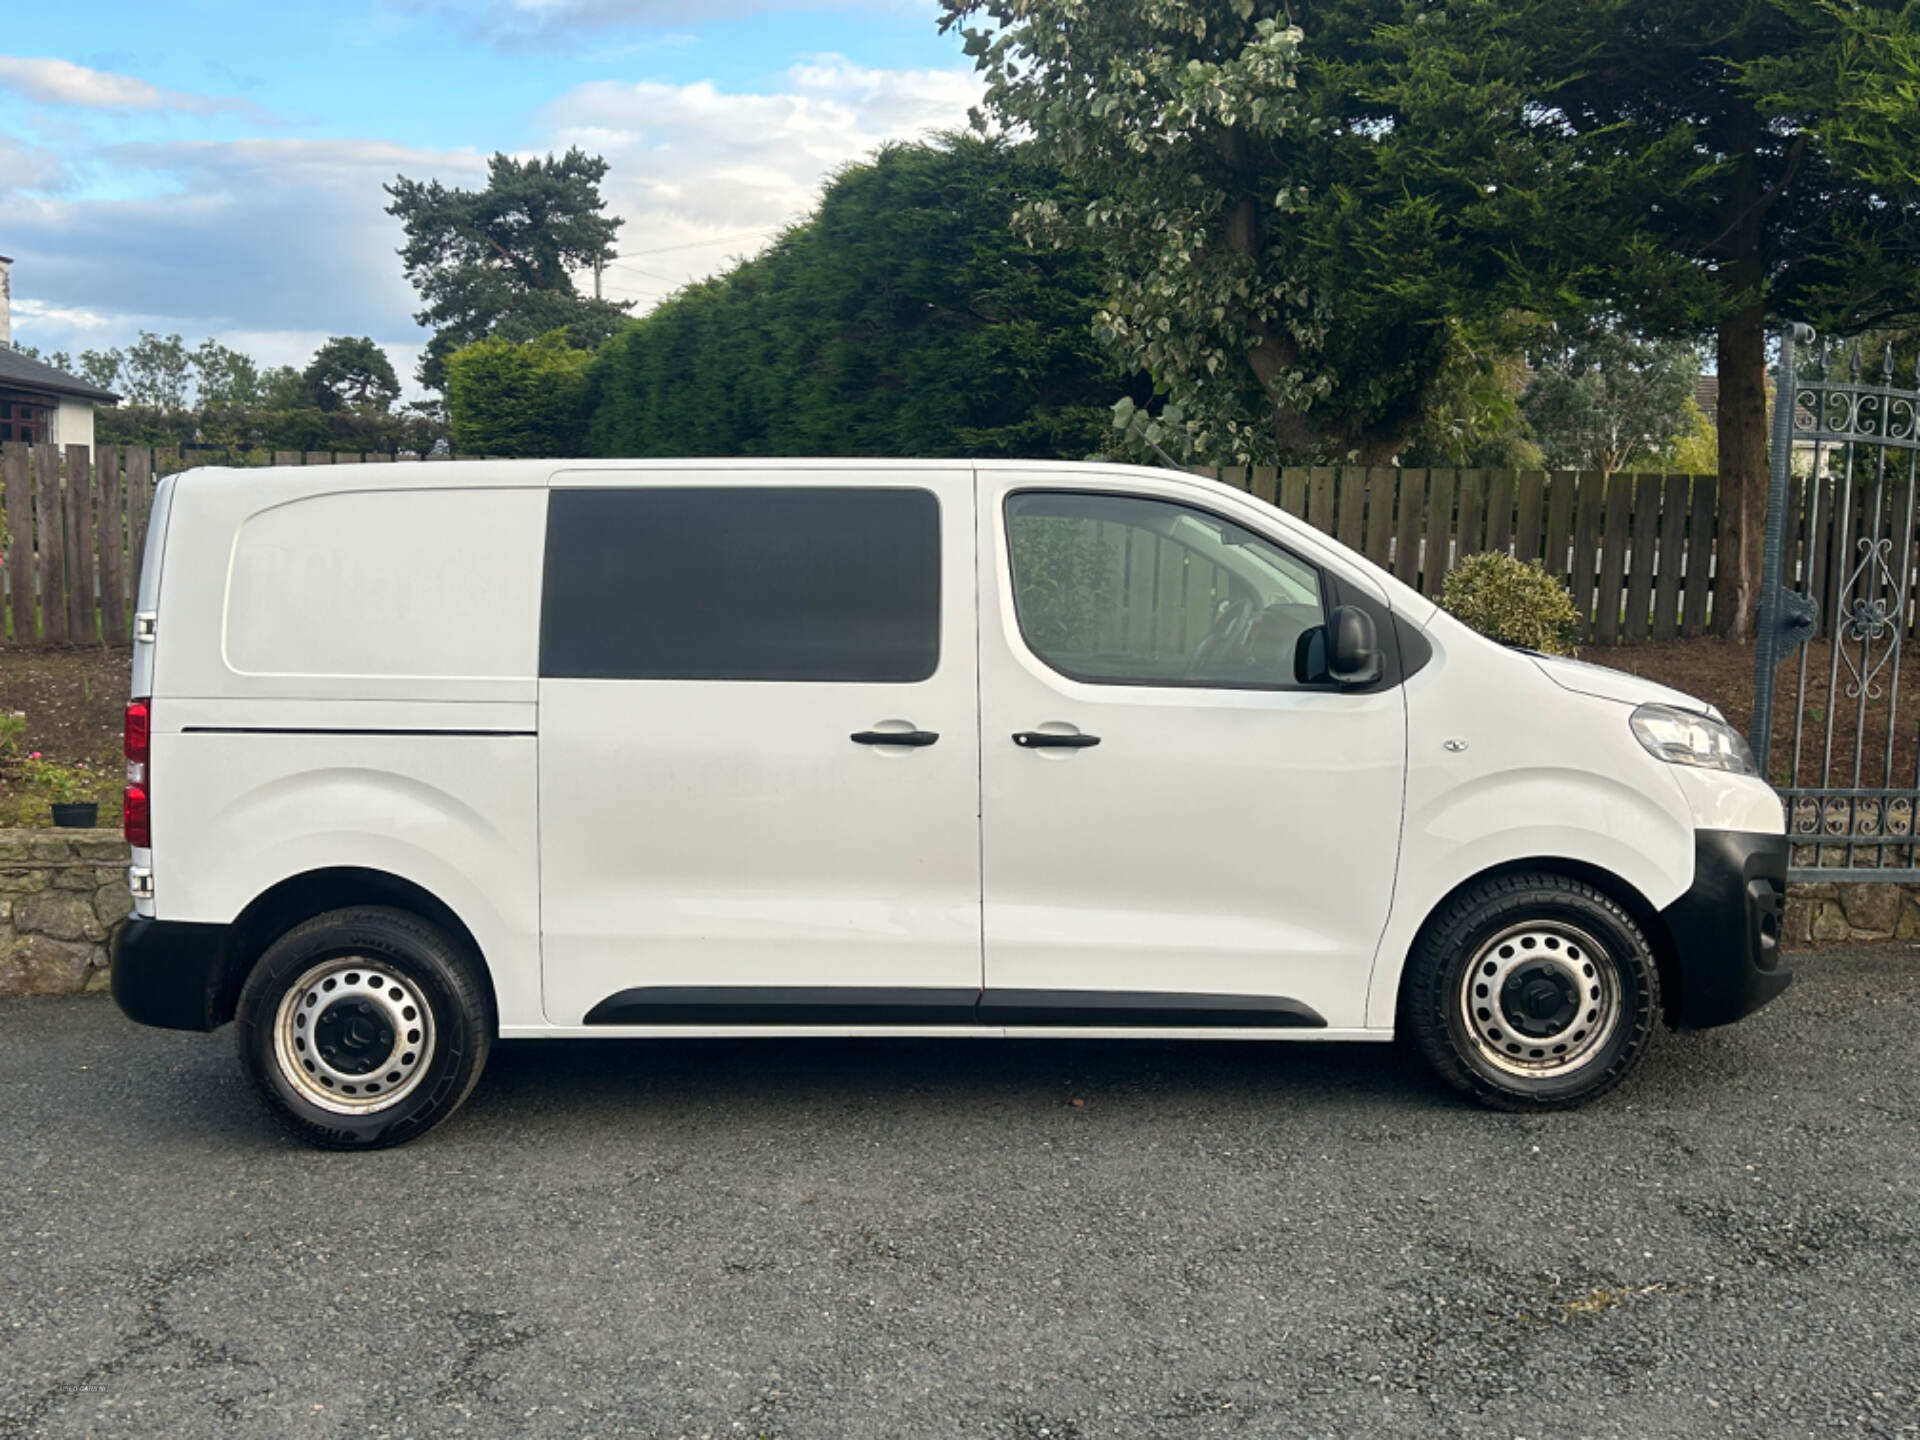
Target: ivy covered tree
(906, 317)
(502, 259)
(1267, 264)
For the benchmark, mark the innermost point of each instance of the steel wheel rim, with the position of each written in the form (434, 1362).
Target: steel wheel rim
(1539, 1000)
(354, 1036)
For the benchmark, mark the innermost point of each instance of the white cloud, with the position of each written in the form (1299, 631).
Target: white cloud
(23, 168)
(48, 81)
(702, 175)
(280, 242)
(264, 238)
(36, 314)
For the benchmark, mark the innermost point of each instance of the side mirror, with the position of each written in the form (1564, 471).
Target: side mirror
(1353, 646)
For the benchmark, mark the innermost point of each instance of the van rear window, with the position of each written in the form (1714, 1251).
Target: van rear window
(741, 582)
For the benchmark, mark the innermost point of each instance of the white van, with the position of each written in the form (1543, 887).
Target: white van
(425, 757)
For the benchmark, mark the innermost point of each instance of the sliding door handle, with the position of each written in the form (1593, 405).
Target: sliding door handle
(1045, 740)
(916, 738)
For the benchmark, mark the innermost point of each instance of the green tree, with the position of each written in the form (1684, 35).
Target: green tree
(1724, 165)
(284, 388)
(1473, 416)
(58, 359)
(1603, 399)
(501, 260)
(906, 317)
(517, 399)
(1695, 450)
(1267, 263)
(102, 367)
(352, 374)
(156, 371)
(224, 379)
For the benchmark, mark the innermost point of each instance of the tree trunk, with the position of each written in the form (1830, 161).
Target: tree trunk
(1742, 349)
(1741, 343)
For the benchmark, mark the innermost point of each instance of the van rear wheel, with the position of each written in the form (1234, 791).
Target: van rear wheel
(364, 1028)
(1532, 992)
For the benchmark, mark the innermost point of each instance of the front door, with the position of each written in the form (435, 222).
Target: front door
(759, 763)
(1177, 830)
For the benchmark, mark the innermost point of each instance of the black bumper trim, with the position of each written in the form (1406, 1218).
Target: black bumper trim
(1726, 929)
(168, 973)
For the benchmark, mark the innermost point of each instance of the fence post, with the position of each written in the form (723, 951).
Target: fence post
(1380, 490)
(139, 498)
(15, 460)
(1500, 511)
(1779, 469)
(1438, 556)
(113, 548)
(50, 534)
(1412, 490)
(80, 612)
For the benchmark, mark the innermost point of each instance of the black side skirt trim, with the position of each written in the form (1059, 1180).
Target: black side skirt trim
(1147, 1009)
(854, 1005)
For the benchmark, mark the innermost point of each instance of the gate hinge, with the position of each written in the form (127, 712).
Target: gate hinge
(1796, 621)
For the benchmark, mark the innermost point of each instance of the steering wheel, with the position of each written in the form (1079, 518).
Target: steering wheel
(1228, 632)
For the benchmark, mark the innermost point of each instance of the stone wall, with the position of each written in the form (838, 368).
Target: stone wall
(63, 893)
(1826, 913)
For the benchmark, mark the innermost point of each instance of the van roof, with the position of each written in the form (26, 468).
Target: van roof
(538, 472)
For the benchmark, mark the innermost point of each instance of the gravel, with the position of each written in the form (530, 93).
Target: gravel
(919, 1238)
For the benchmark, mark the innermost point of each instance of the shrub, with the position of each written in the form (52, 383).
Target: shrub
(508, 399)
(1514, 602)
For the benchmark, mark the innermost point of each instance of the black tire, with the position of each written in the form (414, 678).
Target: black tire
(1498, 1045)
(366, 978)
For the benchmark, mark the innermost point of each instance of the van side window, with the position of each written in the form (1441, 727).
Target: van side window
(1123, 590)
(741, 582)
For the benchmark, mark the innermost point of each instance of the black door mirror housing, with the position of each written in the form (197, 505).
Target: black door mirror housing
(1345, 650)
(1353, 647)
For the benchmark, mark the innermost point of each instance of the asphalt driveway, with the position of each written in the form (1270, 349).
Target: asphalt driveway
(906, 1239)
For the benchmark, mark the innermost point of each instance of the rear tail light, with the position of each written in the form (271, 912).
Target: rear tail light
(134, 813)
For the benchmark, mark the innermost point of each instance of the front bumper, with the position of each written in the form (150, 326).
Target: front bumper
(169, 973)
(1726, 929)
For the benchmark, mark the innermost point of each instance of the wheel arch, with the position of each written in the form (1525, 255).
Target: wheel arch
(297, 898)
(1623, 892)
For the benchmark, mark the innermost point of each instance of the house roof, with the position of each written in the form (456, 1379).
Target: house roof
(17, 370)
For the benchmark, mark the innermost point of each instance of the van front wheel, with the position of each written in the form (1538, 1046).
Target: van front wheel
(1532, 992)
(364, 1028)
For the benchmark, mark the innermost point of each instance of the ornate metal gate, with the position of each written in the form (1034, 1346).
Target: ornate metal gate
(1836, 724)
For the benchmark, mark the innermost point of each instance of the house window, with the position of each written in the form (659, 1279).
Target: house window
(21, 420)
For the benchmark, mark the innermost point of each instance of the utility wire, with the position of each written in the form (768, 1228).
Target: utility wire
(697, 244)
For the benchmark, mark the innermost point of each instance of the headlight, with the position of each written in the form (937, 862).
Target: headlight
(1681, 737)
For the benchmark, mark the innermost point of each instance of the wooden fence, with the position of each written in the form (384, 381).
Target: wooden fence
(1635, 550)
(76, 524)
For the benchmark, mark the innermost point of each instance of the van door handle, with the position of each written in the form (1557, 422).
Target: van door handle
(915, 738)
(1043, 740)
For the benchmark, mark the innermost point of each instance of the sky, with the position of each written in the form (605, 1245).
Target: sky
(213, 167)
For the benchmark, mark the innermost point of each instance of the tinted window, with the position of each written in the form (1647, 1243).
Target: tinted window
(739, 582)
(1120, 590)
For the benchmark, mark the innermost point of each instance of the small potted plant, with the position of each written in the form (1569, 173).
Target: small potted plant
(67, 788)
